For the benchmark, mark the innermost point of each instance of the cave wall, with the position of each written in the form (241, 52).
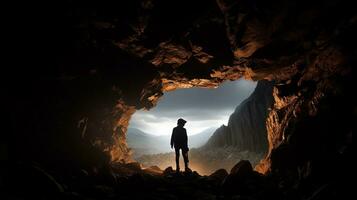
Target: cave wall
(86, 66)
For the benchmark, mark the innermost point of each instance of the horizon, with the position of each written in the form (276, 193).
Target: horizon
(170, 134)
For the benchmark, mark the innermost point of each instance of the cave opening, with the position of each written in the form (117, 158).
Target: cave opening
(225, 125)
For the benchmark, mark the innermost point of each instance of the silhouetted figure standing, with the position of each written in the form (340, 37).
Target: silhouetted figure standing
(179, 141)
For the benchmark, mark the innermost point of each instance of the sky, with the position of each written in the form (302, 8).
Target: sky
(202, 108)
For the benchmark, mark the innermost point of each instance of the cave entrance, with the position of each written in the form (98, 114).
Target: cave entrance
(224, 125)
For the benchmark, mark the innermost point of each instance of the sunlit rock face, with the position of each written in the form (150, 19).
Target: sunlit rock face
(246, 129)
(102, 61)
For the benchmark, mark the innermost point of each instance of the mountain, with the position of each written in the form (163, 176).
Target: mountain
(144, 143)
(138, 138)
(201, 138)
(246, 126)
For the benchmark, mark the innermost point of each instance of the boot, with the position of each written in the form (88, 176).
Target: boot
(177, 167)
(187, 169)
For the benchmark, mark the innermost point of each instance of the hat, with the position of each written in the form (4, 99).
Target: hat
(181, 121)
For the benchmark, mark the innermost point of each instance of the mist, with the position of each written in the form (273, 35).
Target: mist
(203, 108)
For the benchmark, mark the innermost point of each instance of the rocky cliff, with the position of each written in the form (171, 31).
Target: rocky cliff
(246, 129)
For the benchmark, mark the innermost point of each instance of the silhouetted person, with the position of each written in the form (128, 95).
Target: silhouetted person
(179, 141)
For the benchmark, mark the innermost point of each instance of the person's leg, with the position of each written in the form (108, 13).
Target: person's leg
(185, 158)
(177, 151)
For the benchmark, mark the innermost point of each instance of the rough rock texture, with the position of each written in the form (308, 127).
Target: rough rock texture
(242, 180)
(246, 128)
(81, 68)
(242, 168)
(219, 174)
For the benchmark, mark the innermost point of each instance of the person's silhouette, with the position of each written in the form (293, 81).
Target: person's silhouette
(179, 141)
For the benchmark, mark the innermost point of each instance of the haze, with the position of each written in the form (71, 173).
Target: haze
(203, 108)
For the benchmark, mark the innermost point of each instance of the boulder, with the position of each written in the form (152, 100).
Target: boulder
(135, 166)
(237, 181)
(168, 171)
(219, 175)
(242, 168)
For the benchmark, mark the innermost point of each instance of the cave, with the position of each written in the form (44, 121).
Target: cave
(81, 69)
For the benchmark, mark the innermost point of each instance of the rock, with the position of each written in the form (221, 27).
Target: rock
(168, 171)
(219, 175)
(102, 190)
(134, 166)
(237, 181)
(242, 168)
(195, 173)
(126, 168)
(31, 180)
(192, 174)
(153, 170)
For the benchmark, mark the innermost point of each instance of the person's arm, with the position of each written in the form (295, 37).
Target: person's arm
(172, 138)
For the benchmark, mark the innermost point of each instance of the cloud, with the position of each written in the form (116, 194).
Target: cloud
(202, 108)
(187, 113)
(228, 95)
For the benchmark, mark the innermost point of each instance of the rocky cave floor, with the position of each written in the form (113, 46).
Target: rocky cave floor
(204, 160)
(130, 181)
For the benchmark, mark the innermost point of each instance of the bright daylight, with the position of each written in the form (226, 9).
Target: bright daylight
(206, 112)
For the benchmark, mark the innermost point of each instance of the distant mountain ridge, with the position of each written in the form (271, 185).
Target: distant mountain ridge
(145, 143)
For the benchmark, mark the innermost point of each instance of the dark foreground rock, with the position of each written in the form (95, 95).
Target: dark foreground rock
(219, 175)
(242, 180)
(32, 181)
